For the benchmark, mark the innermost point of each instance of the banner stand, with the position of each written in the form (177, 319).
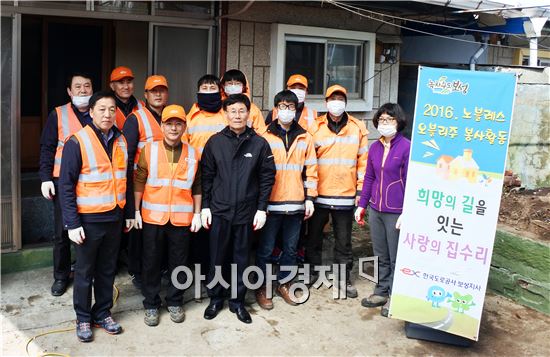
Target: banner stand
(421, 332)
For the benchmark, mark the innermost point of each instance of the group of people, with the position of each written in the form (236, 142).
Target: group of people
(200, 186)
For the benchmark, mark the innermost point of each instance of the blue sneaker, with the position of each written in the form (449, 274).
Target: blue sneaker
(109, 325)
(84, 331)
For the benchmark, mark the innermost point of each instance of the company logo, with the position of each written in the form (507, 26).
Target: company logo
(442, 86)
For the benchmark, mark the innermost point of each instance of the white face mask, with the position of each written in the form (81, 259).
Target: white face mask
(81, 102)
(300, 93)
(387, 130)
(233, 89)
(336, 107)
(286, 116)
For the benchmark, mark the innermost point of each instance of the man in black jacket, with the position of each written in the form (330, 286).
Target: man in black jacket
(238, 172)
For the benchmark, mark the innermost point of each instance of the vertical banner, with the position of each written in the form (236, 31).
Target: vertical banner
(462, 123)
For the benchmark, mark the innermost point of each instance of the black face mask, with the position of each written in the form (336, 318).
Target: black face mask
(210, 102)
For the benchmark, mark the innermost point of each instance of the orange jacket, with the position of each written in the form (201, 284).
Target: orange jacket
(307, 118)
(289, 191)
(121, 118)
(67, 125)
(167, 195)
(149, 130)
(342, 161)
(102, 182)
(201, 125)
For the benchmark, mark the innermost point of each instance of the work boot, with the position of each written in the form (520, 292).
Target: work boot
(151, 317)
(284, 292)
(374, 300)
(351, 291)
(84, 331)
(262, 300)
(176, 313)
(109, 325)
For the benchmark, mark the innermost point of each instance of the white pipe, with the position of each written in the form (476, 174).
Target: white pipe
(533, 53)
(480, 50)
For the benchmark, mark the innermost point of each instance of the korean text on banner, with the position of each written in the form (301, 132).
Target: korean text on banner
(461, 130)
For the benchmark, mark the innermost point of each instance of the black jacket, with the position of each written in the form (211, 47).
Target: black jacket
(238, 173)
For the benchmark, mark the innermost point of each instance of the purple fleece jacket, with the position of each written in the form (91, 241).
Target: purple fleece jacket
(384, 188)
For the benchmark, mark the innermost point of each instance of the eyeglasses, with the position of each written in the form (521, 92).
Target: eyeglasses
(386, 120)
(283, 106)
(235, 112)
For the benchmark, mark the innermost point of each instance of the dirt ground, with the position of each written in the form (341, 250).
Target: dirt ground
(527, 211)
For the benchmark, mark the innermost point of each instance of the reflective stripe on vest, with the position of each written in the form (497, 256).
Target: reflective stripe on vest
(335, 201)
(292, 167)
(205, 129)
(348, 162)
(351, 139)
(310, 184)
(286, 207)
(167, 208)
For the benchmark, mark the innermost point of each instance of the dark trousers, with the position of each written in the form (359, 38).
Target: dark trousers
(156, 240)
(385, 239)
(288, 228)
(96, 265)
(341, 225)
(135, 247)
(61, 244)
(199, 250)
(229, 244)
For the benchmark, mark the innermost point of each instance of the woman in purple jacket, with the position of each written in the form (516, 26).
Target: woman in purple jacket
(384, 190)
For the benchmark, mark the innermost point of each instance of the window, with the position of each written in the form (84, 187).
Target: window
(325, 57)
(325, 62)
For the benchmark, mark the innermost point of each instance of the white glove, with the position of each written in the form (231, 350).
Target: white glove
(48, 189)
(138, 222)
(259, 220)
(196, 222)
(129, 225)
(206, 218)
(309, 209)
(77, 235)
(398, 223)
(359, 216)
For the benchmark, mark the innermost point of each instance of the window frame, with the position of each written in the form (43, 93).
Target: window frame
(281, 32)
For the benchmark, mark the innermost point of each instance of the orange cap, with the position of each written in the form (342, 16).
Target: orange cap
(173, 111)
(296, 79)
(154, 81)
(121, 72)
(336, 88)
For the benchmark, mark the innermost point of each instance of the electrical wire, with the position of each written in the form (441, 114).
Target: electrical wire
(427, 23)
(419, 31)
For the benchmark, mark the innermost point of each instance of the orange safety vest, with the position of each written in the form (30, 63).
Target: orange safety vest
(287, 195)
(121, 118)
(341, 160)
(307, 118)
(201, 125)
(67, 125)
(167, 195)
(101, 184)
(149, 130)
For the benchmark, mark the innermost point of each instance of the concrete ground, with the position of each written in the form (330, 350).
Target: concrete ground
(321, 326)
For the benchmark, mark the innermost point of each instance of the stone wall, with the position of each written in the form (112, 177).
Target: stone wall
(529, 149)
(519, 270)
